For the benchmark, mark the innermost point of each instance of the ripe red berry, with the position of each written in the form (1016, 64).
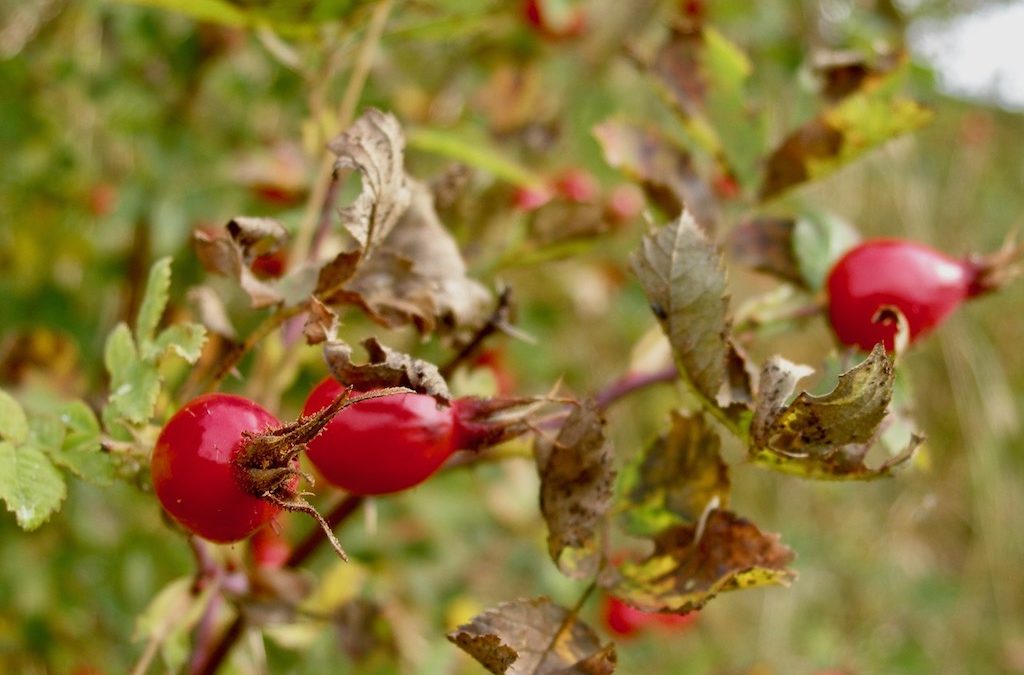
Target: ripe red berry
(194, 470)
(531, 198)
(924, 284)
(627, 621)
(270, 265)
(380, 445)
(577, 185)
(391, 443)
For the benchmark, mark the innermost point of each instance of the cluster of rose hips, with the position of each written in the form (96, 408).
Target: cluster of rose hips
(622, 204)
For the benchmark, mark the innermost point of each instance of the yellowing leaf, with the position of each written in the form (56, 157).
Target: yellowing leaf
(534, 637)
(824, 437)
(676, 479)
(692, 564)
(684, 279)
(576, 483)
(839, 135)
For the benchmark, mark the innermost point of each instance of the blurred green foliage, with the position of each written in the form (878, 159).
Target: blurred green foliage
(122, 128)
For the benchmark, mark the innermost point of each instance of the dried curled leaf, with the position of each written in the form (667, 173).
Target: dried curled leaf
(375, 146)
(684, 279)
(665, 169)
(224, 257)
(385, 368)
(824, 437)
(257, 236)
(417, 275)
(692, 564)
(676, 478)
(815, 425)
(765, 244)
(321, 323)
(577, 480)
(534, 637)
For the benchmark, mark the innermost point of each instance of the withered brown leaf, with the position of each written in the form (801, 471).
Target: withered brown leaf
(577, 479)
(691, 564)
(385, 368)
(534, 637)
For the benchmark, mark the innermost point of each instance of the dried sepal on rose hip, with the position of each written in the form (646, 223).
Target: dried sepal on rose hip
(925, 285)
(392, 443)
(223, 466)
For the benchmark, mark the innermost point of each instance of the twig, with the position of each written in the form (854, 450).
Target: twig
(632, 382)
(499, 320)
(263, 330)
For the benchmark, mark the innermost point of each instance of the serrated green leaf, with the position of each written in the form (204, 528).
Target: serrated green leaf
(154, 302)
(676, 479)
(684, 279)
(691, 565)
(119, 353)
(29, 484)
(46, 432)
(13, 423)
(184, 339)
(819, 240)
(134, 398)
(81, 452)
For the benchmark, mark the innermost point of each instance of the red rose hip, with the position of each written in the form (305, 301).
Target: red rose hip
(194, 471)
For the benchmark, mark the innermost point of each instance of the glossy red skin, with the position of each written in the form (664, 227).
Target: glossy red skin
(924, 284)
(193, 470)
(627, 621)
(381, 445)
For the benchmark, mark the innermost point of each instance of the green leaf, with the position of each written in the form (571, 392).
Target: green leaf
(677, 479)
(819, 240)
(184, 339)
(476, 153)
(154, 302)
(81, 452)
(119, 353)
(29, 484)
(170, 616)
(576, 486)
(13, 424)
(684, 279)
(46, 432)
(691, 565)
(134, 398)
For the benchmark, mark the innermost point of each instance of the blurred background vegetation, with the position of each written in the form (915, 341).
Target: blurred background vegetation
(123, 128)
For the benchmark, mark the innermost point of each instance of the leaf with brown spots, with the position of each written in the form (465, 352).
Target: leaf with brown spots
(385, 368)
(825, 437)
(534, 637)
(692, 564)
(576, 483)
(765, 244)
(676, 479)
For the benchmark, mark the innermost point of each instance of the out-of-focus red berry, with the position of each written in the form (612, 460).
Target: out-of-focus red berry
(577, 185)
(270, 265)
(555, 19)
(531, 198)
(102, 199)
(625, 202)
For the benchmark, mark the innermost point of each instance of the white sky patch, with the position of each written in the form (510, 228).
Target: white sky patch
(979, 55)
